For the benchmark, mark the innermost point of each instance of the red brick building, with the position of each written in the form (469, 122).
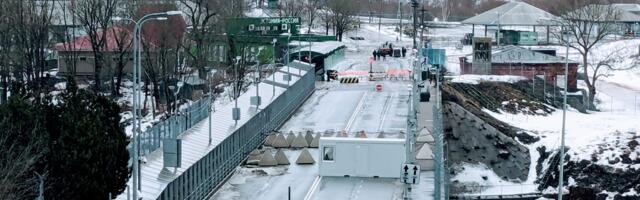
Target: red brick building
(514, 60)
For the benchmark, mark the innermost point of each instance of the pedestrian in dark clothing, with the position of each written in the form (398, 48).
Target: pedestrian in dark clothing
(375, 53)
(404, 52)
(391, 46)
(384, 56)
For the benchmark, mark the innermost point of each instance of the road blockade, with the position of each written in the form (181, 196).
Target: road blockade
(349, 80)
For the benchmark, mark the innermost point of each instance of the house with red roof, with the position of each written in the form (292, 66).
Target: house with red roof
(77, 55)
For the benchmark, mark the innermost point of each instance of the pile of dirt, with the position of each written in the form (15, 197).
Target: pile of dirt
(474, 136)
(496, 97)
(592, 177)
(502, 97)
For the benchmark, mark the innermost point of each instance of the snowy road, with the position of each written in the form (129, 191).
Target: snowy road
(337, 107)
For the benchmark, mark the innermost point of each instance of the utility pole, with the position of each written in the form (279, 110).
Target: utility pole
(422, 26)
(414, 5)
(400, 17)
(273, 62)
(564, 117)
(413, 108)
(379, 25)
(370, 12)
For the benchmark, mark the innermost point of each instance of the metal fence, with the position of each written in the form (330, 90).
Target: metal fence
(151, 139)
(198, 181)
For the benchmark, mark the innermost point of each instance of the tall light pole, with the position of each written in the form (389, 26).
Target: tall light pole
(288, 57)
(414, 5)
(400, 17)
(136, 87)
(273, 62)
(564, 115)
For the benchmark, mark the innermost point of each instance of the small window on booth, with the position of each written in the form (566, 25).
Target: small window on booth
(328, 153)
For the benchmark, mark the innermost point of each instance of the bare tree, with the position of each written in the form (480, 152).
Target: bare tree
(327, 19)
(28, 39)
(311, 8)
(71, 57)
(201, 18)
(446, 9)
(5, 46)
(343, 13)
(95, 16)
(291, 8)
(21, 154)
(587, 26)
(121, 54)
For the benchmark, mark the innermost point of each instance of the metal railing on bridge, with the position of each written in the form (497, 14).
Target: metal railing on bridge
(151, 139)
(198, 181)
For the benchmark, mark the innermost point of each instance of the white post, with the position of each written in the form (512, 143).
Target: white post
(134, 146)
(209, 108)
(564, 120)
(288, 57)
(273, 62)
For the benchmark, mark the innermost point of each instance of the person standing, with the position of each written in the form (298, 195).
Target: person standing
(404, 52)
(375, 54)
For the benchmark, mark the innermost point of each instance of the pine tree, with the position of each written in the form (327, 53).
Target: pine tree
(88, 157)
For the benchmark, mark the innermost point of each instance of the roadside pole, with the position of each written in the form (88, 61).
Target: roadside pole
(412, 115)
(564, 119)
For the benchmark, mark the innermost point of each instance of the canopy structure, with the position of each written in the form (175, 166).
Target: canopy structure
(513, 14)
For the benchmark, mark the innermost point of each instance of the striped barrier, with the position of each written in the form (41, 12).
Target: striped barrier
(349, 80)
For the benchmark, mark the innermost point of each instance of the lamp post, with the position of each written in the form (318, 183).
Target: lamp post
(564, 115)
(400, 16)
(414, 5)
(288, 57)
(273, 62)
(136, 87)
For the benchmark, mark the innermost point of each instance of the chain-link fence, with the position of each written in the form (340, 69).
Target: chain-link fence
(506, 191)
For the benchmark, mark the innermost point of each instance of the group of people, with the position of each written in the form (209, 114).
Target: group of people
(377, 53)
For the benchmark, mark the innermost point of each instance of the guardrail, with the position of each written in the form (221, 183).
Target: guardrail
(208, 173)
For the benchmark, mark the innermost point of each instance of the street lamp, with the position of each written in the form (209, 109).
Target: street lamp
(136, 87)
(273, 62)
(565, 35)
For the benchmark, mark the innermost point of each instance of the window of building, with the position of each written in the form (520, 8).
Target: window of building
(328, 153)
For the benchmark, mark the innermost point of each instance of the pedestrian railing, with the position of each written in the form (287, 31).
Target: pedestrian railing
(172, 126)
(206, 174)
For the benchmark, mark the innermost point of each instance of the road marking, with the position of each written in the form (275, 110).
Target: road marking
(385, 111)
(352, 119)
(313, 188)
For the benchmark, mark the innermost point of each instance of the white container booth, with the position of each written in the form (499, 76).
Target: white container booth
(361, 157)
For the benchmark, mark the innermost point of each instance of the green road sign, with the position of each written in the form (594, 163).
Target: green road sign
(263, 25)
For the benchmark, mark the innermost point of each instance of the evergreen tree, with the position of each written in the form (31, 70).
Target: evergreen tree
(23, 145)
(88, 157)
(76, 142)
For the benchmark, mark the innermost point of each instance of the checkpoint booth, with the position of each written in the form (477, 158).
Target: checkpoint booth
(324, 55)
(361, 157)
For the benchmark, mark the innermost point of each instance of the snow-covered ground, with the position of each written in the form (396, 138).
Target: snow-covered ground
(475, 79)
(585, 134)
